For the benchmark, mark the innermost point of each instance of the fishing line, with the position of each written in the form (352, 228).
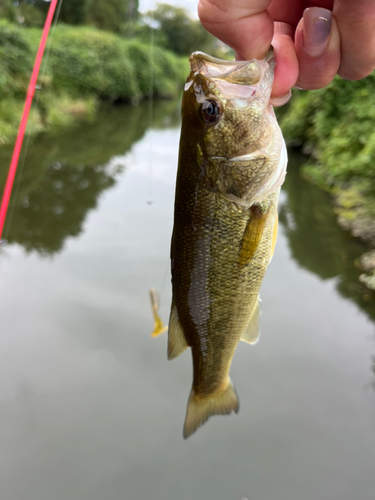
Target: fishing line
(150, 112)
(28, 102)
(150, 124)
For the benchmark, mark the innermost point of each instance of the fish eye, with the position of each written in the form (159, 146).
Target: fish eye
(210, 112)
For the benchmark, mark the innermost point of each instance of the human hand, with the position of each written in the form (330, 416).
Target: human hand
(313, 40)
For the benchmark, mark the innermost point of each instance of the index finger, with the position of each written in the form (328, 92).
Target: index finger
(244, 25)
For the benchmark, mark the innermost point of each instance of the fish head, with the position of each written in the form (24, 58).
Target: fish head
(227, 111)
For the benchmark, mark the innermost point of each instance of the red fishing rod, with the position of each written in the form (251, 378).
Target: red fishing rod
(25, 116)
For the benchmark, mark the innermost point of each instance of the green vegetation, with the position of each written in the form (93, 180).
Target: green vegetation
(103, 14)
(102, 50)
(86, 66)
(183, 35)
(335, 126)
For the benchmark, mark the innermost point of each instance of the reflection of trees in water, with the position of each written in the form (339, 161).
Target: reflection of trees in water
(64, 174)
(57, 208)
(316, 242)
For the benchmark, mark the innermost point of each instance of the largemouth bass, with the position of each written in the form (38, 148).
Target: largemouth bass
(232, 162)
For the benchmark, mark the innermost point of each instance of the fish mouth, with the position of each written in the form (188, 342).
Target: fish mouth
(239, 80)
(238, 72)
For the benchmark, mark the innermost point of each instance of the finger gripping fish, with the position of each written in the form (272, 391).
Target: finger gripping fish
(232, 162)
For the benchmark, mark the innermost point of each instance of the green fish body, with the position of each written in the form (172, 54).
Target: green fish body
(232, 162)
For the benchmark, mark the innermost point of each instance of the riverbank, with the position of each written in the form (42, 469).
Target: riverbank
(85, 68)
(334, 126)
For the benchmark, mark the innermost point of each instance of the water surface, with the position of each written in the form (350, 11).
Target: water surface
(89, 406)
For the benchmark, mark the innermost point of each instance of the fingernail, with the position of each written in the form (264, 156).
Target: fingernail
(280, 101)
(316, 30)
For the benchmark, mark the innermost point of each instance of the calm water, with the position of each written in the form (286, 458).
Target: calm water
(90, 409)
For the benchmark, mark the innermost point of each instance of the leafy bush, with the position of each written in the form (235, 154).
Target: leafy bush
(15, 61)
(91, 62)
(85, 64)
(157, 70)
(111, 14)
(337, 124)
(8, 10)
(94, 62)
(10, 116)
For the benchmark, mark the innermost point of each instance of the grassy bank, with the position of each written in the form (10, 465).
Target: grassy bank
(335, 126)
(85, 67)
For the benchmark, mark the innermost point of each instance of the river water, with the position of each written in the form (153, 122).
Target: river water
(90, 408)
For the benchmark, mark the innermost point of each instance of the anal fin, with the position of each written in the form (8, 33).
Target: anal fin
(251, 330)
(176, 338)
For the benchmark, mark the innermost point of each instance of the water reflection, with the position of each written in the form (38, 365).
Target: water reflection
(316, 242)
(66, 171)
(57, 207)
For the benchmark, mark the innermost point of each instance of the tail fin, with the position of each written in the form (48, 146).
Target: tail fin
(201, 408)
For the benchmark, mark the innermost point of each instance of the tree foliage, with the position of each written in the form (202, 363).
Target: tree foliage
(8, 10)
(104, 14)
(183, 34)
(110, 15)
(337, 123)
(72, 11)
(167, 26)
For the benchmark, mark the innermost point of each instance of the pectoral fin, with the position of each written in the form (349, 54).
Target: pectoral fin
(251, 331)
(176, 337)
(274, 236)
(252, 235)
